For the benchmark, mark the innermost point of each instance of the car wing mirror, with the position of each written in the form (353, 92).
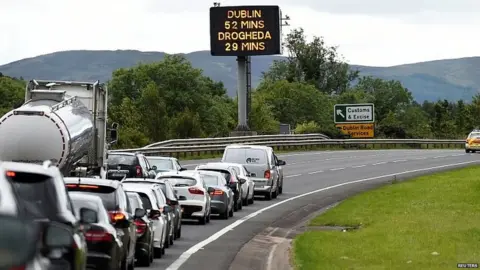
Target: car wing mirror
(154, 167)
(242, 180)
(281, 163)
(140, 212)
(252, 174)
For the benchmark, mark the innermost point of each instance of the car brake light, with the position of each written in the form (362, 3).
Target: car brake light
(196, 191)
(10, 174)
(98, 236)
(267, 174)
(116, 216)
(81, 186)
(141, 226)
(217, 192)
(139, 170)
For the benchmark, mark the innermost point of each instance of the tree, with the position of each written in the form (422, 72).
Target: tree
(312, 63)
(12, 93)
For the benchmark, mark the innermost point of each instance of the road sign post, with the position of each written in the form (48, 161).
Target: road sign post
(354, 113)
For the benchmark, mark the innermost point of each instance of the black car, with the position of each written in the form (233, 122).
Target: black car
(230, 176)
(144, 249)
(41, 196)
(119, 210)
(104, 250)
(129, 165)
(170, 195)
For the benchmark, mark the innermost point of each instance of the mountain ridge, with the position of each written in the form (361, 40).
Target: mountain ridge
(451, 79)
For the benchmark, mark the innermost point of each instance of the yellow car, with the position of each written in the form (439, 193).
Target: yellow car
(472, 143)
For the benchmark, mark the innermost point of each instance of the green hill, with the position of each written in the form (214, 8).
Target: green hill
(450, 79)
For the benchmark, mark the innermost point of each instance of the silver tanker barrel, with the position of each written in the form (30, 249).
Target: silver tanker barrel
(49, 126)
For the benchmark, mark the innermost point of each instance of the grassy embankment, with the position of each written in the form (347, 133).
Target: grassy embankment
(432, 222)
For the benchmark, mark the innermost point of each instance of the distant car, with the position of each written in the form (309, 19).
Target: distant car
(193, 194)
(154, 213)
(129, 165)
(119, 210)
(145, 233)
(170, 195)
(165, 164)
(41, 196)
(265, 169)
(222, 196)
(248, 187)
(105, 250)
(230, 176)
(472, 143)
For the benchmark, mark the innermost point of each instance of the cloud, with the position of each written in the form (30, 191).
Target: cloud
(31, 27)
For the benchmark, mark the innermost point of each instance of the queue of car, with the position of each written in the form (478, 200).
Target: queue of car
(131, 217)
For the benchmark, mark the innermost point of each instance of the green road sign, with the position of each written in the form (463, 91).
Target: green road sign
(354, 113)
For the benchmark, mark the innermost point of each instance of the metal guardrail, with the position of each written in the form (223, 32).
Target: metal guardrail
(212, 148)
(239, 139)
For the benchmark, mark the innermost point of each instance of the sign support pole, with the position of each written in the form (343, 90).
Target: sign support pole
(242, 93)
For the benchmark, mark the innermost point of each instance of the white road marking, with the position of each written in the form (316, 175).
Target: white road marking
(315, 172)
(400, 160)
(293, 175)
(337, 169)
(359, 166)
(380, 163)
(188, 253)
(418, 158)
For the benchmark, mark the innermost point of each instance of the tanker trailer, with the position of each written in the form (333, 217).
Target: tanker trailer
(64, 122)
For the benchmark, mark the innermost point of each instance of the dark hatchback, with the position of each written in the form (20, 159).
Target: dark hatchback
(42, 196)
(104, 250)
(129, 165)
(119, 210)
(144, 249)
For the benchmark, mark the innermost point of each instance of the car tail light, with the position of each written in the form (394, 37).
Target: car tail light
(98, 236)
(139, 170)
(116, 216)
(196, 191)
(217, 192)
(267, 174)
(141, 226)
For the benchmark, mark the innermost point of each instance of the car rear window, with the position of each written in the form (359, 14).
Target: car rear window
(245, 156)
(107, 194)
(224, 173)
(182, 182)
(133, 200)
(36, 193)
(211, 180)
(122, 160)
(147, 204)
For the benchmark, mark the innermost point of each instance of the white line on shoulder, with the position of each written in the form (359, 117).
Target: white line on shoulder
(188, 253)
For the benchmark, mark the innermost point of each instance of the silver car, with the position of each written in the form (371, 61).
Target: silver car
(249, 186)
(265, 169)
(222, 197)
(164, 164)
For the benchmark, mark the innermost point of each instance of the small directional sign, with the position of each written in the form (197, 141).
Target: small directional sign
(354, 113)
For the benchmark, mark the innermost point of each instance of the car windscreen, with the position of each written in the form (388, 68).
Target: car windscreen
(106, 193)
(36, 194)
(211, 180)
(122, 160)
(181, 181)
(245, 156)
(162, 164)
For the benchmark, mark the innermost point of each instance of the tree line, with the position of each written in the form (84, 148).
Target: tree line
(172, 99)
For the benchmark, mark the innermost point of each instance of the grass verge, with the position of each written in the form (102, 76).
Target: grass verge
(431, 222)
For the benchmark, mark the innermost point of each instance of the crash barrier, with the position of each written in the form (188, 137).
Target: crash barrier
(211, 148)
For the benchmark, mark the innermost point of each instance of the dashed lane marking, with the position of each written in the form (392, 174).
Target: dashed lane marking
(315, 172)
(337, 169)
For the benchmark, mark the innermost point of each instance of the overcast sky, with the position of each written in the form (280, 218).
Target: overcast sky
(368, 32)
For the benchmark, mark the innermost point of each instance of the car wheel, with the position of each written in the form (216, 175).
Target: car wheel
(124, 265)
(280, 189)
(240, 203)
(252, 200)
(157, 252)
(245, 201)
(275, 194)
(203, 220)
(131, 265)
(208, 217)
(268, 196)
(467, 151)
(171, 240)
(231, 212)
(151, 252)
(167, 241)
(225, 214)
(145, 260)
(235, 206)
(179, 232)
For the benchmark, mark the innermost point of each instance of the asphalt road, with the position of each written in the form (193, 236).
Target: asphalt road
(312, 180)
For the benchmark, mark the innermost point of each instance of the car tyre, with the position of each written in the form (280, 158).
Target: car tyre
(208, 217)
(225, 214)
(179, 232)
(158, 252)
(131, 265)
(230, 214)
(240, 204)
(280, 189)
(167, 242)
(268, 196)
(275, 194)
(245, 201)
(124, 265)
(145, 260)
(203, 220)
(467, 151)
(171, 240)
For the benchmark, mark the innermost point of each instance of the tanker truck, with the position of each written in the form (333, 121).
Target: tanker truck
(63, 122)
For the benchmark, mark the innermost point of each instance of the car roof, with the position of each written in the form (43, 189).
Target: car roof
(123, 153)
(29, 168)
(249, 146)
(92, 181)
(174, 174)
(138, 187)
